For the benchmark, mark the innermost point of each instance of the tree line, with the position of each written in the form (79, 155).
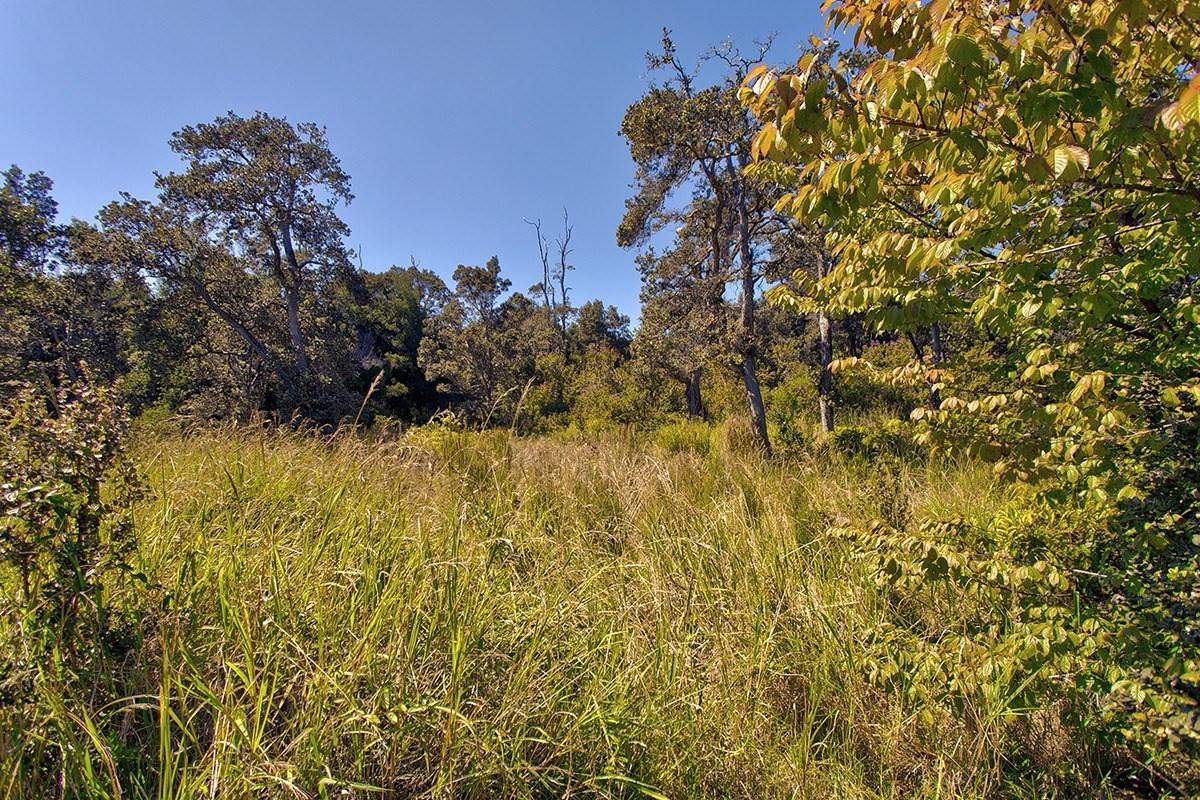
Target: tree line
(234, 290)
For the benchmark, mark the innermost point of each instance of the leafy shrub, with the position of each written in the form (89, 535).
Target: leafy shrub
(608, 392)
(886, 439)
(66, 493)
(791, 411)
(860, 392)
(1088, 390)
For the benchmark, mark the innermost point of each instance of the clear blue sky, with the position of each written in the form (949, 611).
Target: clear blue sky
(455, 119)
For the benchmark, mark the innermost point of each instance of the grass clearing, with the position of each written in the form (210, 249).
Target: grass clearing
(476, 615)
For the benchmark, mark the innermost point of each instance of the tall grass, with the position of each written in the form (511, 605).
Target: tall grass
(475, 615)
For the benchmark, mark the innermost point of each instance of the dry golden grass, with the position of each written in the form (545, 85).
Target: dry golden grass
(449, 614)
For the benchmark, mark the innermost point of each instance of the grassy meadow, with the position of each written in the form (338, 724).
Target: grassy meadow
(451, 614)
(851, 449)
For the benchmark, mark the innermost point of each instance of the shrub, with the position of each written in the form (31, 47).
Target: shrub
(873, 442)
(66, 494)
(791, 411)
(859, 392)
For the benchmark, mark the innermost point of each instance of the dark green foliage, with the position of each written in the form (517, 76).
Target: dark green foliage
(29, 238)
(791, 410)
(398, 303)
(885, 439)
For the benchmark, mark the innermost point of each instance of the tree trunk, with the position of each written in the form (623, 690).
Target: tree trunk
(691, 393)
(853, 327)
(292, 299)
(825, 356)
(938, 354)
(825, 382)
(918, 349)
(758, 412)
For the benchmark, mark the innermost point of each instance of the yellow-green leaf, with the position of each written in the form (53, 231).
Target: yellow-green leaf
(1069, 161)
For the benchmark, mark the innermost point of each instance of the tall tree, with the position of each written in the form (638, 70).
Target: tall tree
(469, 348)
(29, 241)
(271, 189)
(684, 315)
(801, 250)
(597, 326)
(683, 135)
(188, 260)
(399, 302)
(249, 231)
(28, 234)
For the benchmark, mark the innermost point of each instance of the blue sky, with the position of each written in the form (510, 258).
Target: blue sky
(455, 120)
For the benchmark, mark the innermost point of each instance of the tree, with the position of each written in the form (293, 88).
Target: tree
(801, 250)
(683, 316)
(598, 327)
(682, 135)
(28, 235)
(29, 241)
(60, 313)
(1030, 170)
(479, 290)
(553, 286)
(399, 303)
(473, 348)
(271, 189)
(249, 232)
(188, 261)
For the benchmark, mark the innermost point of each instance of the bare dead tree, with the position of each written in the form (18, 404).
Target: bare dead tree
(560, 274)
(553, 286)
(546, 287)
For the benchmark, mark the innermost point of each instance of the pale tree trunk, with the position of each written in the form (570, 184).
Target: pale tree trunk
(825, 356)
(291, 297)
(938, 355)
(825, 382)
(758, 411)
(564, 309)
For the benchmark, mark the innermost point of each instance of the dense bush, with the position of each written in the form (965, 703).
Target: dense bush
(886, 438)
(861, 392)
(1025, 173)
(66, 536)
(791, 411)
